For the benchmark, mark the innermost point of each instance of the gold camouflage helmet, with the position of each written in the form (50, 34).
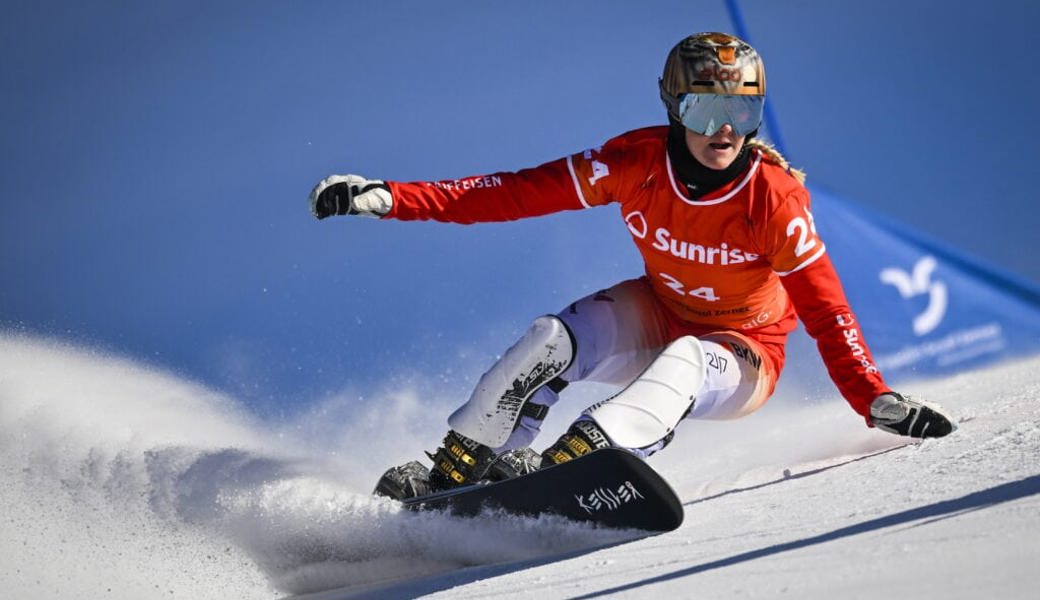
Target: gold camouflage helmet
(711, 63)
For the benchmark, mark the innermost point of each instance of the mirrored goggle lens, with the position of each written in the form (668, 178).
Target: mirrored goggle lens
(707, 113)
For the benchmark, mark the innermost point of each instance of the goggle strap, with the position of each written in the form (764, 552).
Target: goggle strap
(671, 102)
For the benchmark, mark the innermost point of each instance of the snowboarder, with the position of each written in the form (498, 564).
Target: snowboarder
(732, 260)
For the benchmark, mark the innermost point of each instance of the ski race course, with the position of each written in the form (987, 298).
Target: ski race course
(121, 481)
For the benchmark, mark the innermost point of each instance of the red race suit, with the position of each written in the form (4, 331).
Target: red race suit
(746, 257)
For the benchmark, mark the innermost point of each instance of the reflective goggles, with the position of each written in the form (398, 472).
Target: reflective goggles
(707, 113)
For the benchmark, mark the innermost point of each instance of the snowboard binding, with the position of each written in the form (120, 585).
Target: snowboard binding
(583, 437)
(460, 461)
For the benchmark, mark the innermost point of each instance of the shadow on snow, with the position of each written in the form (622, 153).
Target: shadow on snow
(793, 476)
(982, 499)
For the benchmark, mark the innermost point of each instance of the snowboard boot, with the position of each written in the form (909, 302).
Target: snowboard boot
(406, 481)
(459, 461)
(514, 464)
(583, 437)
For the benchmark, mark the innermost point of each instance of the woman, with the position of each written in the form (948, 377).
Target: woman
(732, 260)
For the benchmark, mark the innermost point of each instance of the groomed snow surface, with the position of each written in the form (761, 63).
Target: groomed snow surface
(120, 481)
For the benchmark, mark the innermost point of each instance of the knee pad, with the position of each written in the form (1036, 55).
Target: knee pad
(494, 409)
(739, 379)
(648, 410)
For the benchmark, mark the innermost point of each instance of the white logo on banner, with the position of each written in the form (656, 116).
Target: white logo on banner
(917, 283)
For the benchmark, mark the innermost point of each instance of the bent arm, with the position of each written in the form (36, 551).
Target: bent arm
(820, 302)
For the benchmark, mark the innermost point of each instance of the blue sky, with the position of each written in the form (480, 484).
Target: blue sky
(156, 159)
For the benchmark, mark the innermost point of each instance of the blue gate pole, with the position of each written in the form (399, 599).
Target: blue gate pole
(772, 124)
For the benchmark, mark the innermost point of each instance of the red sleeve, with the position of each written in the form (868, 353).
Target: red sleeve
(593, 177)
(821, 305)
(531, 192)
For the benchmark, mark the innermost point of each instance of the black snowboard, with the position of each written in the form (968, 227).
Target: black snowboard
(610, 488)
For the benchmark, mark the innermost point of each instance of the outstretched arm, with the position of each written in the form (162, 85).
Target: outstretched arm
(541, 190)
(593, 177)
(498, 197)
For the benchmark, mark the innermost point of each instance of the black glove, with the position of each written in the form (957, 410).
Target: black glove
(896, 414)
(350, 195)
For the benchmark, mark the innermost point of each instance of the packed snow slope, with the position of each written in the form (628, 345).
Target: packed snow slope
(121, 481)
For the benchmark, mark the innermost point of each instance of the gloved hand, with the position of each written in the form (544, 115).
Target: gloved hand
(350, 195)
(896, 414)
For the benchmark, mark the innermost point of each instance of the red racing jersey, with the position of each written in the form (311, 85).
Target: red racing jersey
(746, 257)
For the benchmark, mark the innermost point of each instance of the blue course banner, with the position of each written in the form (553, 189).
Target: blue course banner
(926, 309)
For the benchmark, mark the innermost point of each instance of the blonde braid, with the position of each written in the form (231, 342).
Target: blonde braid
(773, 155)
